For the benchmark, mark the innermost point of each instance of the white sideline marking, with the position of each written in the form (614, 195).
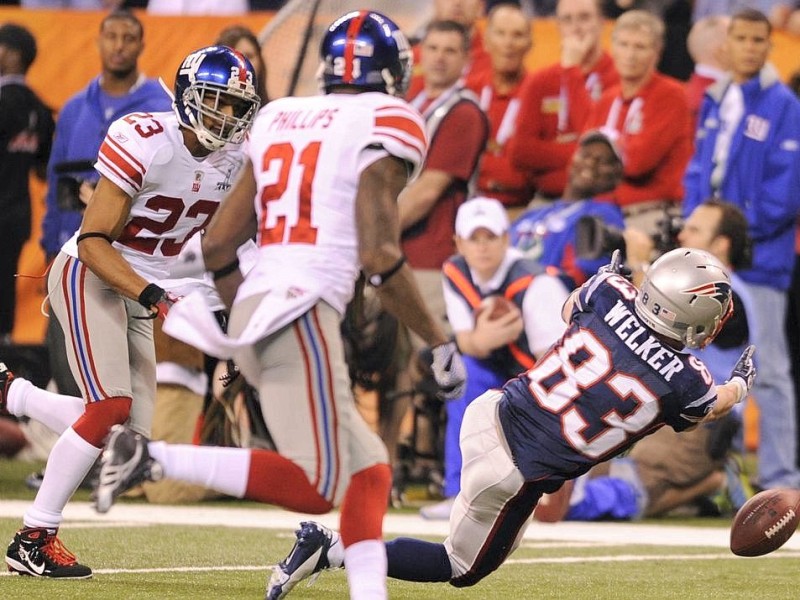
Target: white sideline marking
(512, 561)
(234, 515)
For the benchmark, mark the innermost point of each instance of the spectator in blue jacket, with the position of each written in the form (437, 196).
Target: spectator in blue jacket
(549, 234)
(747, 151)
(81, 126)
(118, 90)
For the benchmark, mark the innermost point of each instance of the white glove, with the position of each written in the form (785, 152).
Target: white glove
(616, 266)
(448, 370)
(744, 372)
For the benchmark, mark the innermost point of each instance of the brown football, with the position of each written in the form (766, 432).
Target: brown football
(496, 305)
(12, 439)
(765, 522)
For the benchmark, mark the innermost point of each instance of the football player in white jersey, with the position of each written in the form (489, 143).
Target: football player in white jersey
(320, 196)
(163, 176)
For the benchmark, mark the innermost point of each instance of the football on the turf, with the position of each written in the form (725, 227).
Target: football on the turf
(765, 522)
(12, 439)
(496, 305)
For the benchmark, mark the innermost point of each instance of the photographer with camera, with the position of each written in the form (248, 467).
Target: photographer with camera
(82, 124)
(577, 234)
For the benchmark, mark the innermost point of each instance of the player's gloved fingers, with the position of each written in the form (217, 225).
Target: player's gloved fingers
(448, 370)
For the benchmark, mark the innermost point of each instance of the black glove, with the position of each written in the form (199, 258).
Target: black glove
(744, 372)
(448, 370)
(157, 300)
(617, 267)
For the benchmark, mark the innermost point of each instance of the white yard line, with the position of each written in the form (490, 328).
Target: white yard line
(512, 561)
(81, 514)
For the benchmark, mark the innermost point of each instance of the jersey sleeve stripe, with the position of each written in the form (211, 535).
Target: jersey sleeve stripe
(111, 152)
(404, 124)
(419, 151)
(123, 152)
(115, 172)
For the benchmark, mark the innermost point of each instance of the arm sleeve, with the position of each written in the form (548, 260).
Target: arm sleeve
(459, 313)
(541, 309)
(399, 131)
(121, 158)
(779, 189)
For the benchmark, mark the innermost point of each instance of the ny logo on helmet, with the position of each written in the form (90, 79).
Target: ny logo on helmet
(190, 65)
(719, 290)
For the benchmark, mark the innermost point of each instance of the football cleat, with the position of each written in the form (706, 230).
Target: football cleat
(124, 464)
(37, 551)
(6, 377)
(308, 557)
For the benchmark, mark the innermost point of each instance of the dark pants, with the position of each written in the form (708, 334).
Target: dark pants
(11, 242)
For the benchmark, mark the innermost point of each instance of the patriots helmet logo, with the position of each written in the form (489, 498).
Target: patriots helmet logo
(718, 290)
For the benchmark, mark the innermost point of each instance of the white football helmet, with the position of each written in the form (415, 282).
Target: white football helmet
(686, 296)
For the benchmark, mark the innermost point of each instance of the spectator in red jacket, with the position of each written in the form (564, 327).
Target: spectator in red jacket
(508, 40)
(648, 116)
(555, 101)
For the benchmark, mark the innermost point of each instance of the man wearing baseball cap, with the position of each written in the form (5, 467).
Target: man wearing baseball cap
(504, 310)
(550, 233)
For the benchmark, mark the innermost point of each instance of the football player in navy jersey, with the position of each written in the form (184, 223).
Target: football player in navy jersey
(618, 373)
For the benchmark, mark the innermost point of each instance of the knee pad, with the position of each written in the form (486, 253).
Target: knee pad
(100, 416)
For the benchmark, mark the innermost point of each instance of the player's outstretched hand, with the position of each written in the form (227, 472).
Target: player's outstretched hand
(617, 267)
(448, 370)
(744, 371)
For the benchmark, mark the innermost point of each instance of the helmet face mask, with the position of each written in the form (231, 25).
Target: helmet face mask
(686, 296)
(365, 50)
(215, 96)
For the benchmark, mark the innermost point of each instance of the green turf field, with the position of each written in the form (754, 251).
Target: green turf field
(137, 560)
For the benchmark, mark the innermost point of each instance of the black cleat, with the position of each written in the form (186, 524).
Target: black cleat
(37, 551)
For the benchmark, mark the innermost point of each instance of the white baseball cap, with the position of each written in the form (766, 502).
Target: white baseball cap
(481, 212)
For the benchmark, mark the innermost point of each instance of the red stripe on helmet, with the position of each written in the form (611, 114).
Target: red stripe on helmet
(350, 44)
(242, 65)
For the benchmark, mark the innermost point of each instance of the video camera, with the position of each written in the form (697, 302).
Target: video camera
(68, 183)
(595, 238)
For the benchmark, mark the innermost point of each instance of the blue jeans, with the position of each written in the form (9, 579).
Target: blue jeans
(774, 391)
(479, 379)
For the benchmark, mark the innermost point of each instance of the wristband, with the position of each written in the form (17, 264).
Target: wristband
(378, 279)
(742, 385)
(94, 234)
(151, 295)
(226, 270)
